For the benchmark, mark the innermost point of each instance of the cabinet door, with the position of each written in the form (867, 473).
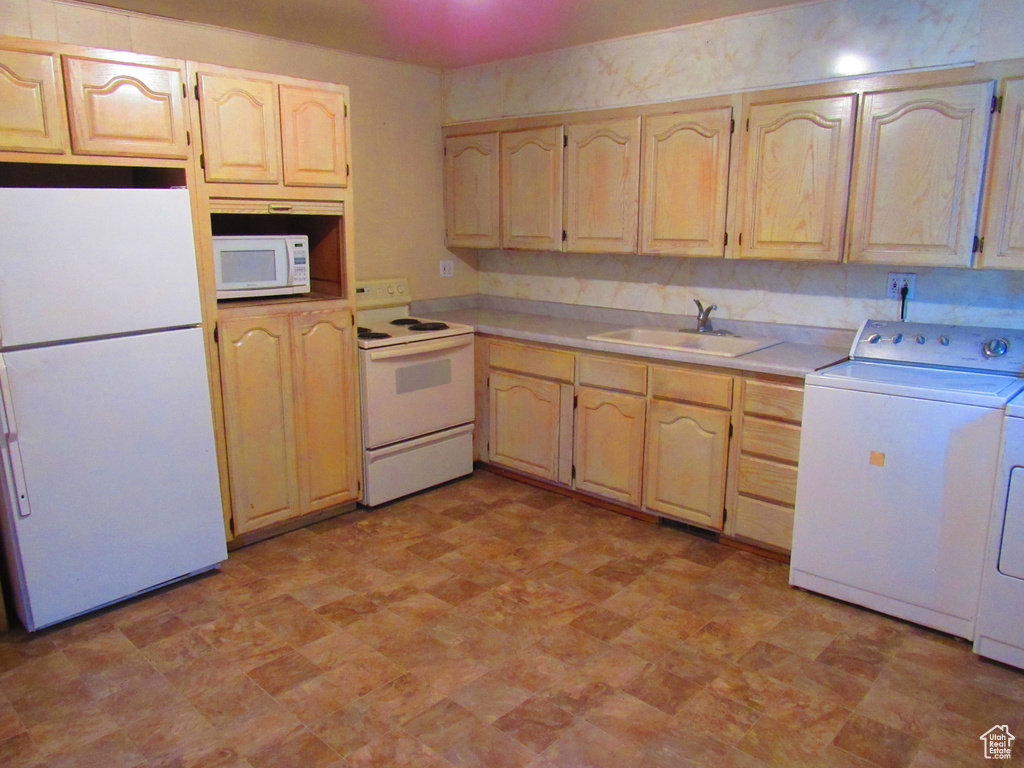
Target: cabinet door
(609, 450)
(1004, 225)
(531, 189)
(524, 423)
(687, 452)
(256, 380)
(602, 186)
(313, 137)
(471, 191)
(239, 119)
(126, 110)
(323, 360)
(796, 176)
(684, 183)
(918, 180)
(31, 103)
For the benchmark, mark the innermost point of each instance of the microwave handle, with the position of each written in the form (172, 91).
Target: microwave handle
(421, 347)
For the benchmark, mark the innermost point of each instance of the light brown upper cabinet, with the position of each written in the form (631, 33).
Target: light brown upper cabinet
(918, 175)
(531, 189)
(313, 140)
(796, 175)
(126, 110)
(684, 183)
(602, 186)
(472, 209)
(265, 129)
(1004, 220)
(31, 103)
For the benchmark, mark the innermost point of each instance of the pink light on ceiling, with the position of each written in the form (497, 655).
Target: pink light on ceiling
(475, 30)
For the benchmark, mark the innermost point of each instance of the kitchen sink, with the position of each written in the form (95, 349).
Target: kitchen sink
(686, 341)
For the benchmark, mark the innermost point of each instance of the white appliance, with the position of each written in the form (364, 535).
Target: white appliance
(417, 394)
(897, 458)
(261, 265)
(1000, 630)
(109, 472)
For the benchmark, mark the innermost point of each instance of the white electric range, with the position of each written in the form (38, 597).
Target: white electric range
(416, 394)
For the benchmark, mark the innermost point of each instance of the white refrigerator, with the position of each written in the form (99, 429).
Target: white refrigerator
(110, 484)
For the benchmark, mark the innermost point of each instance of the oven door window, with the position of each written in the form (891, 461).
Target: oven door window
(414, 389)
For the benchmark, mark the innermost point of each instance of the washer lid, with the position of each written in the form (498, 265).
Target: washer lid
(929, 383)
(1016, 407)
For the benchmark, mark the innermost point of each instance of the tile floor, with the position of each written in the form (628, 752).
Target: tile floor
(492, 624)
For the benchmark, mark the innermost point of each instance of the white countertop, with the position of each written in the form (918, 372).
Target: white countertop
(785, 359)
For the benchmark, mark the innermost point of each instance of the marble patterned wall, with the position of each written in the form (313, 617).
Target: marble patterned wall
(800, 44)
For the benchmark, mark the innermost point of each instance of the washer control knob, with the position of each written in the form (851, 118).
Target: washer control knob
(897, 338)
(920, 339)
(995, 347)
(944, 341)
(874, 338)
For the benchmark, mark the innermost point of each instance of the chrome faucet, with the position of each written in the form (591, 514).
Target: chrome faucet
(704, 316)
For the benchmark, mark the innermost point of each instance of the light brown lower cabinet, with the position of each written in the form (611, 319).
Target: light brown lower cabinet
(288, 380)
(687, 455)
(609, 445)
(525, 423)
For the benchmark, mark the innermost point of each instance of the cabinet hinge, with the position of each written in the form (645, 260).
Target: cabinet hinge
(216, 336)
(575, 400)
(359, 487)
(732, 125)
(748, 123)
(184, 91)
(997, 104)
(565, 235)
(346, 110)
(197, 91)
(565, 140)
(188, 138)
(739, 240)
(725, 515)
(979, 244)
(730, 431)
(726, 239)
(202, 161)
(348, 169)
(574, 473)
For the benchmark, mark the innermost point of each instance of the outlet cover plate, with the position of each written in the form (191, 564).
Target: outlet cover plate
(896, 282)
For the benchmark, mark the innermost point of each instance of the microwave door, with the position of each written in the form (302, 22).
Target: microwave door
(243, 268)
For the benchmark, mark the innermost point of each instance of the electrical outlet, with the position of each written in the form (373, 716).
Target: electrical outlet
(896, 282)
(447, 267)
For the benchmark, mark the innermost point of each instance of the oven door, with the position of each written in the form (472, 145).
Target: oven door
(414, 389)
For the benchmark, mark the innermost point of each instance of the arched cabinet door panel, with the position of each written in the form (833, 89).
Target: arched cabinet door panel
(687, 451)
(524, 423)
(313, 141)
(609, 450)
(256, 380)
(472, 210)
(684, 183)
(602, 163)
(531, 189)
(126, 110)
(31, 103)
(796, 174)
(240, 124)
(917, 186)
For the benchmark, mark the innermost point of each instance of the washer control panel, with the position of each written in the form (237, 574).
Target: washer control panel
(1000, 350)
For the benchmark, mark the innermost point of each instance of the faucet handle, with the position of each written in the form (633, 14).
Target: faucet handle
(700, 307)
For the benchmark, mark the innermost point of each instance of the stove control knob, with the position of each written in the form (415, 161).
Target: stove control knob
(897, 338)
(391, 290)
(920, 339)
(401, 289)
(874, 338)
(944, 341)
(995, 347)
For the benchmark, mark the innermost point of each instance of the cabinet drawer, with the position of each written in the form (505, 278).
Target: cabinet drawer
(767, 479)
(613, 374)
(714, 389)
(548, 363)
(771, 438)
(764, 522)
(777, 401)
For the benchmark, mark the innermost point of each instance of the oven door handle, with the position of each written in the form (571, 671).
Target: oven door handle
(421, 347)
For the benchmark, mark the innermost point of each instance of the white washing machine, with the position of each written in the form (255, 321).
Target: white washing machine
(898, 456)
(1000, 631)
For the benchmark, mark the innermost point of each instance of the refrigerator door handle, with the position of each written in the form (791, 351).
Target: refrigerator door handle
(11, 433)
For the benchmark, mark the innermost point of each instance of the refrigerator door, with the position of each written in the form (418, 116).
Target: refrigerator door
(115, 440)
(78, 263)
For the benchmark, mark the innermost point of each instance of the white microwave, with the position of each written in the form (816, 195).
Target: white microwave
(261, 265)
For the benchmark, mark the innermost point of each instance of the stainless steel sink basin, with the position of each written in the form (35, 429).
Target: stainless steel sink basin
(684, 341)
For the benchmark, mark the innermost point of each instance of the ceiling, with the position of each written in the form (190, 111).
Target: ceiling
(446, 34)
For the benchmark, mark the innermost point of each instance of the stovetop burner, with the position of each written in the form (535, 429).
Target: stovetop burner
(366, 333)
(429, 326)
(362, 329)
(405, 321)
